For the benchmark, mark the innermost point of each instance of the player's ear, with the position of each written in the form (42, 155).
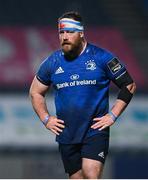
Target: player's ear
(81, 34)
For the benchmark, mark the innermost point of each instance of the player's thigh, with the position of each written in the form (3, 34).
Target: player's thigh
(94, 153)
(96, 147)
(92, 169)
(71, 157)
(77, 175)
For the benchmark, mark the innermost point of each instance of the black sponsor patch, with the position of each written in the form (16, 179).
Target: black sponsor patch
(114, 65)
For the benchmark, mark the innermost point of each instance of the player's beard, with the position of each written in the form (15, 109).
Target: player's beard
(71, 50)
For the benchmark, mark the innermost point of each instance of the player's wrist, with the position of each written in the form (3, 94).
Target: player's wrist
(46, 120)
(113, 116)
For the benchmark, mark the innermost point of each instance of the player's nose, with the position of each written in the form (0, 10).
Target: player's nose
(65, 35)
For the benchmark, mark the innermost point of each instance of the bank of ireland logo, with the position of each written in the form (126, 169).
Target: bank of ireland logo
(90, 65)
(74, 77)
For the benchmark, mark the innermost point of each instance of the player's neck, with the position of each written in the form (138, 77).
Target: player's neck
(76, 52)
(84, 44)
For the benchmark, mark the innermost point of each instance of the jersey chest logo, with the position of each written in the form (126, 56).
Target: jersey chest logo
(59, 70)
(90, 65)
(74, 77)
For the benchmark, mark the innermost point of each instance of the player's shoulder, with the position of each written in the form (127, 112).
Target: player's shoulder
(97, 50)
(100, 54)
(54, 56)
(52, 59)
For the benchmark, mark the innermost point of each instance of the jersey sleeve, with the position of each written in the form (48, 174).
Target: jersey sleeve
(44, 72)
(113, 66)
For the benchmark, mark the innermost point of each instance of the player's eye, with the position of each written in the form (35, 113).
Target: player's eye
(61, 32)
(71, 31)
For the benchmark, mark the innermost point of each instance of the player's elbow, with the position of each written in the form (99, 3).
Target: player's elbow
(132, 87)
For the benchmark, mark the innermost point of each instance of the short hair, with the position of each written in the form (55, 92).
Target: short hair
(72, 15)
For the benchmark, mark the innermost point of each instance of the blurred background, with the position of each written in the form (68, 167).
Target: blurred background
(28, 34)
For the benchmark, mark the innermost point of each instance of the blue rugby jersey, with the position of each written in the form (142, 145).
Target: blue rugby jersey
(81, 89)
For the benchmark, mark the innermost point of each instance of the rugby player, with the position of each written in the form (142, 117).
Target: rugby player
(81, 74)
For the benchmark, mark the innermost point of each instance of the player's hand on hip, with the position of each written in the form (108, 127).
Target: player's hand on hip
(55, 125)
(102, 122)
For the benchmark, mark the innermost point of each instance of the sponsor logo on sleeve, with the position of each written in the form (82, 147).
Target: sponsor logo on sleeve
(114, 65)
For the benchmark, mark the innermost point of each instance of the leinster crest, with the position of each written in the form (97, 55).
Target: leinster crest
(90, 65)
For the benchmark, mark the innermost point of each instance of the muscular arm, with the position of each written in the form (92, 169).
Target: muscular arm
(117, 109)
(37, 95)
(120, 105)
